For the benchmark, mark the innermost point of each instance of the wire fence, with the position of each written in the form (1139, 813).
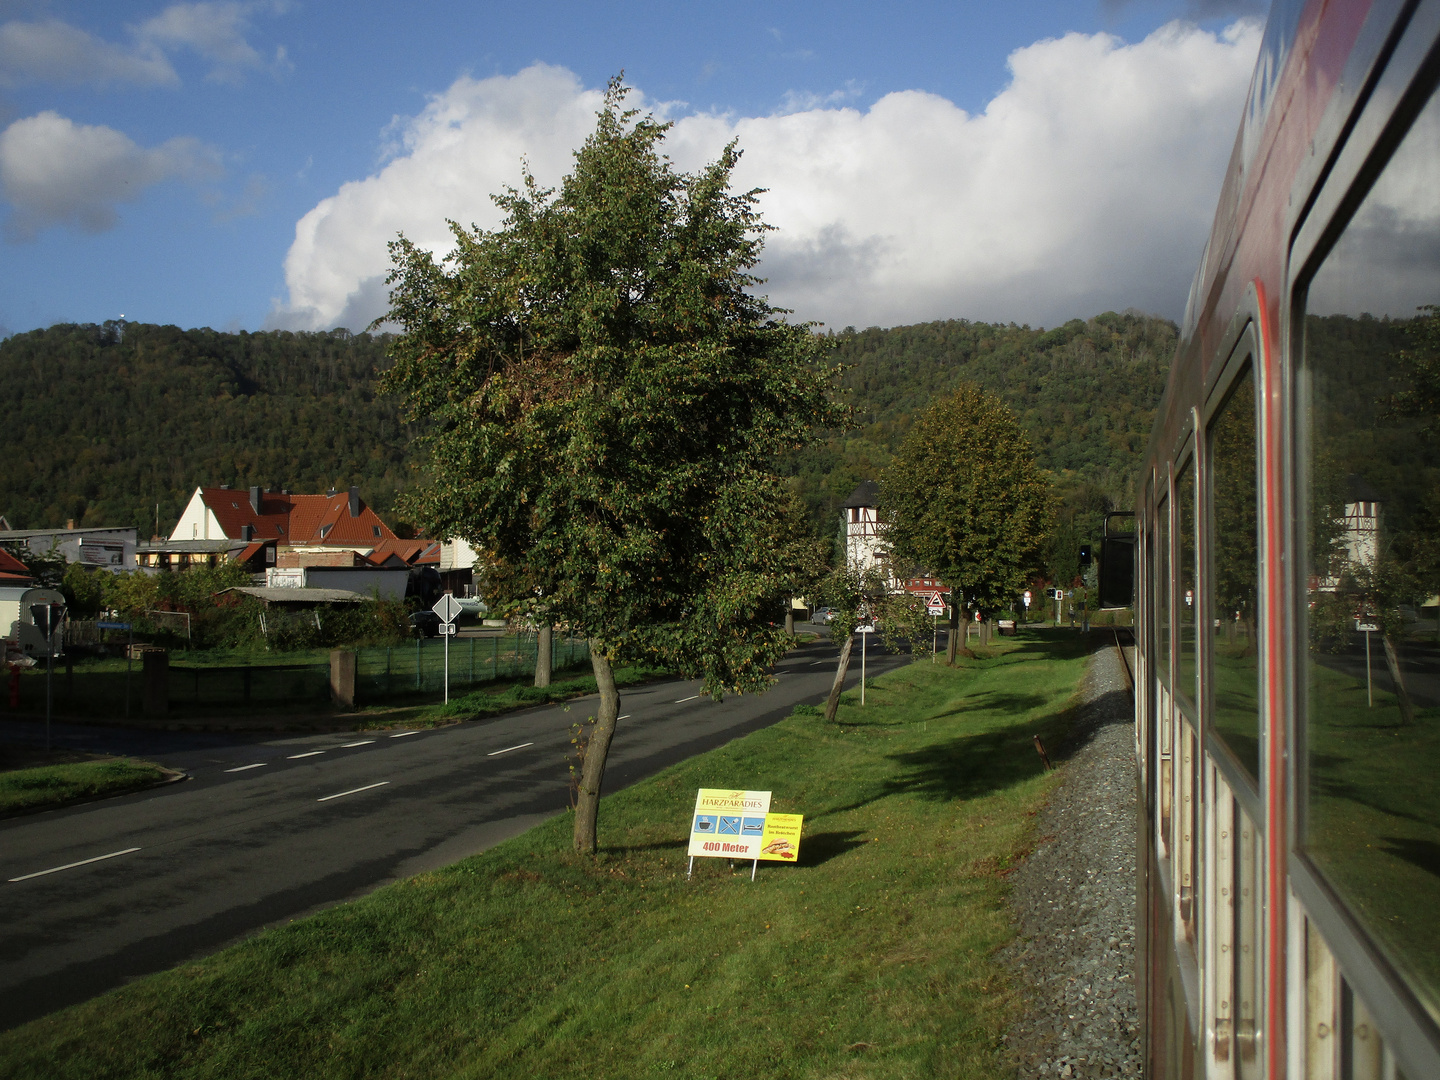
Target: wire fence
(416, 668)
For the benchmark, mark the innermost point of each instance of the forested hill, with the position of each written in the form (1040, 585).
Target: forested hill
(1084, 392)
(103, 422)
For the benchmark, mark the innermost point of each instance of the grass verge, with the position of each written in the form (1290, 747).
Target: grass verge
(874, 957)
(26, 790)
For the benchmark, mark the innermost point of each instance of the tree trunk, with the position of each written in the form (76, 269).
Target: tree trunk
(952, 633)
(790, 621)
(832, 703)
(1402, 696)
(592, 773)
(544, 633)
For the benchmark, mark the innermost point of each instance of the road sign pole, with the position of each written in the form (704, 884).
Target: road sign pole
(863, 639)
(1369, 682)
(447, 667)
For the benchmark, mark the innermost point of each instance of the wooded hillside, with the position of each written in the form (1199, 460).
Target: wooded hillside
(104, 422)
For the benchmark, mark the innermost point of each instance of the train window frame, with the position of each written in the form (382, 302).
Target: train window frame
(1368, 119)
(1244, 355)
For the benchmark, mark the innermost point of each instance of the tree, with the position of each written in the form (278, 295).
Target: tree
(863, 597)
(964, 500)
(606, 396)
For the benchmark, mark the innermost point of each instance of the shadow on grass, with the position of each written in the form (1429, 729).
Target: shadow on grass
(1424, 854)
(819, 848)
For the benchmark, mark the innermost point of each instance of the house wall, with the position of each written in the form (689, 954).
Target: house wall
(389, 584)
(198, 522)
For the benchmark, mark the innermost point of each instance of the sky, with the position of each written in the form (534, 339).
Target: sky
(241, 164)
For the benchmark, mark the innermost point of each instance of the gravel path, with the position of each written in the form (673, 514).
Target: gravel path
(1074, 901)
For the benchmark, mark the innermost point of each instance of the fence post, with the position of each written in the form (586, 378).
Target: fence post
(342, 677)
(494, 657)
(417, 663)
(387, 669)
(472, 661)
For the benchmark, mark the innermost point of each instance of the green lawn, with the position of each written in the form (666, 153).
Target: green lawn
(874, 957)
(22, 790)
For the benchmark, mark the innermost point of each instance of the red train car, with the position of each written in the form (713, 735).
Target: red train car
(1288, 581)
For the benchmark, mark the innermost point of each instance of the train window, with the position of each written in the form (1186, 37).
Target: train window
(1370, 461)
(1235, 715)
(1187, 599)
(1162, 592)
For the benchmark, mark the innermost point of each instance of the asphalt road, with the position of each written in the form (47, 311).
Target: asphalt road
(267, 830)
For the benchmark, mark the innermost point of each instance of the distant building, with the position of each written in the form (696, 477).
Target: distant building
(111, 549)
(13, 571)
(865, 547)
(294, 522)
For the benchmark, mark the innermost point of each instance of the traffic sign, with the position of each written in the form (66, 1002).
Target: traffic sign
(448, 629)
(447, 607)
(1365, 627)
(1059, 594)
(112, 626)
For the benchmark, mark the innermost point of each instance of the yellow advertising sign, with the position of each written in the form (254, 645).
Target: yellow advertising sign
(781, 839)
(728, 824)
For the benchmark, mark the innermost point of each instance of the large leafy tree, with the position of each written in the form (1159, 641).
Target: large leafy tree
(606, 395)
(965, 500)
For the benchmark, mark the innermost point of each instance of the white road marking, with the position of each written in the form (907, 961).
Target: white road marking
(352, 791)
(817, 663)
(509, 748)
(362, 742)
(682, 701)
(309, 753)
(625, 717)
(402, 734)
(72, 865)
(242, 768)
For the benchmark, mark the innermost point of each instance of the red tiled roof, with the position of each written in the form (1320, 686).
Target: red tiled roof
(12, 569)
(412, 552)
(296, 519)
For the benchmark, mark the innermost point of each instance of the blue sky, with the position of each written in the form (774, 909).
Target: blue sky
(1027, 161)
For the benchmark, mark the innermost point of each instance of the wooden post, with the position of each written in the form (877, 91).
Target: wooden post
(342, 677)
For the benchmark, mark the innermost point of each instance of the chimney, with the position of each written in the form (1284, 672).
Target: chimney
(247, 533)
(224, 487)
(354, 502)
(255, 499)
(69, 523)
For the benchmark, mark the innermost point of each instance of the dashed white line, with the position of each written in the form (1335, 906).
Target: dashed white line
(682, 701)
(625, 717)
(308, 753)
(352, 791)
(521, 746)
(402, 734)
(72, 865)
(242, 768)
(362, 742)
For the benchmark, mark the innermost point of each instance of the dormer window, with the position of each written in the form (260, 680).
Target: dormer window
(324, 531)
(376, 530)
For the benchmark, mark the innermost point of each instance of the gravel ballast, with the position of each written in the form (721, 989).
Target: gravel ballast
(1074, 901)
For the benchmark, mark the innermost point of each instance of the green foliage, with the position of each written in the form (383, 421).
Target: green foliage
(1084, 394)
(607, 397)
(105, 422)
(23, 790)
(965, 500)
(48, 570)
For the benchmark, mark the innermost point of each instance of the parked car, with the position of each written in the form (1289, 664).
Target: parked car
(425, 623)
(822, 615)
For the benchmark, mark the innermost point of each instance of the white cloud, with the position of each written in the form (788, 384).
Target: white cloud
(54, 171)
(1088, 183)
(54, 51)
(214, 30)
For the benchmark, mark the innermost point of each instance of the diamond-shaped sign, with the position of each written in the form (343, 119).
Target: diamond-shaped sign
(447, 607)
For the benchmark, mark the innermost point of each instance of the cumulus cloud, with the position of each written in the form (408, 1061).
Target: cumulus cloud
(54, 171)
(54, 51)
(1089, 182)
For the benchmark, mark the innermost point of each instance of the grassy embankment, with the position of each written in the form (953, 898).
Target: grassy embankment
(875, 956)
(25, 790)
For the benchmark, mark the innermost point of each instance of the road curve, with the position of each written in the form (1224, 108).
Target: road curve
(265, 831)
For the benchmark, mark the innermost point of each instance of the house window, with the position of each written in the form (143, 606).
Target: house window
(376, 530)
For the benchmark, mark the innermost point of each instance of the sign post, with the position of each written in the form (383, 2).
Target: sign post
(864, 630)
(1367, 629)
(1026, 598)
(447, 607)
(48, 619)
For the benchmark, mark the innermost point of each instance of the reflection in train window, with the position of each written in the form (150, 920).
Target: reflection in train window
(1187, 599)
(1370, 381)
(1233, 467)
